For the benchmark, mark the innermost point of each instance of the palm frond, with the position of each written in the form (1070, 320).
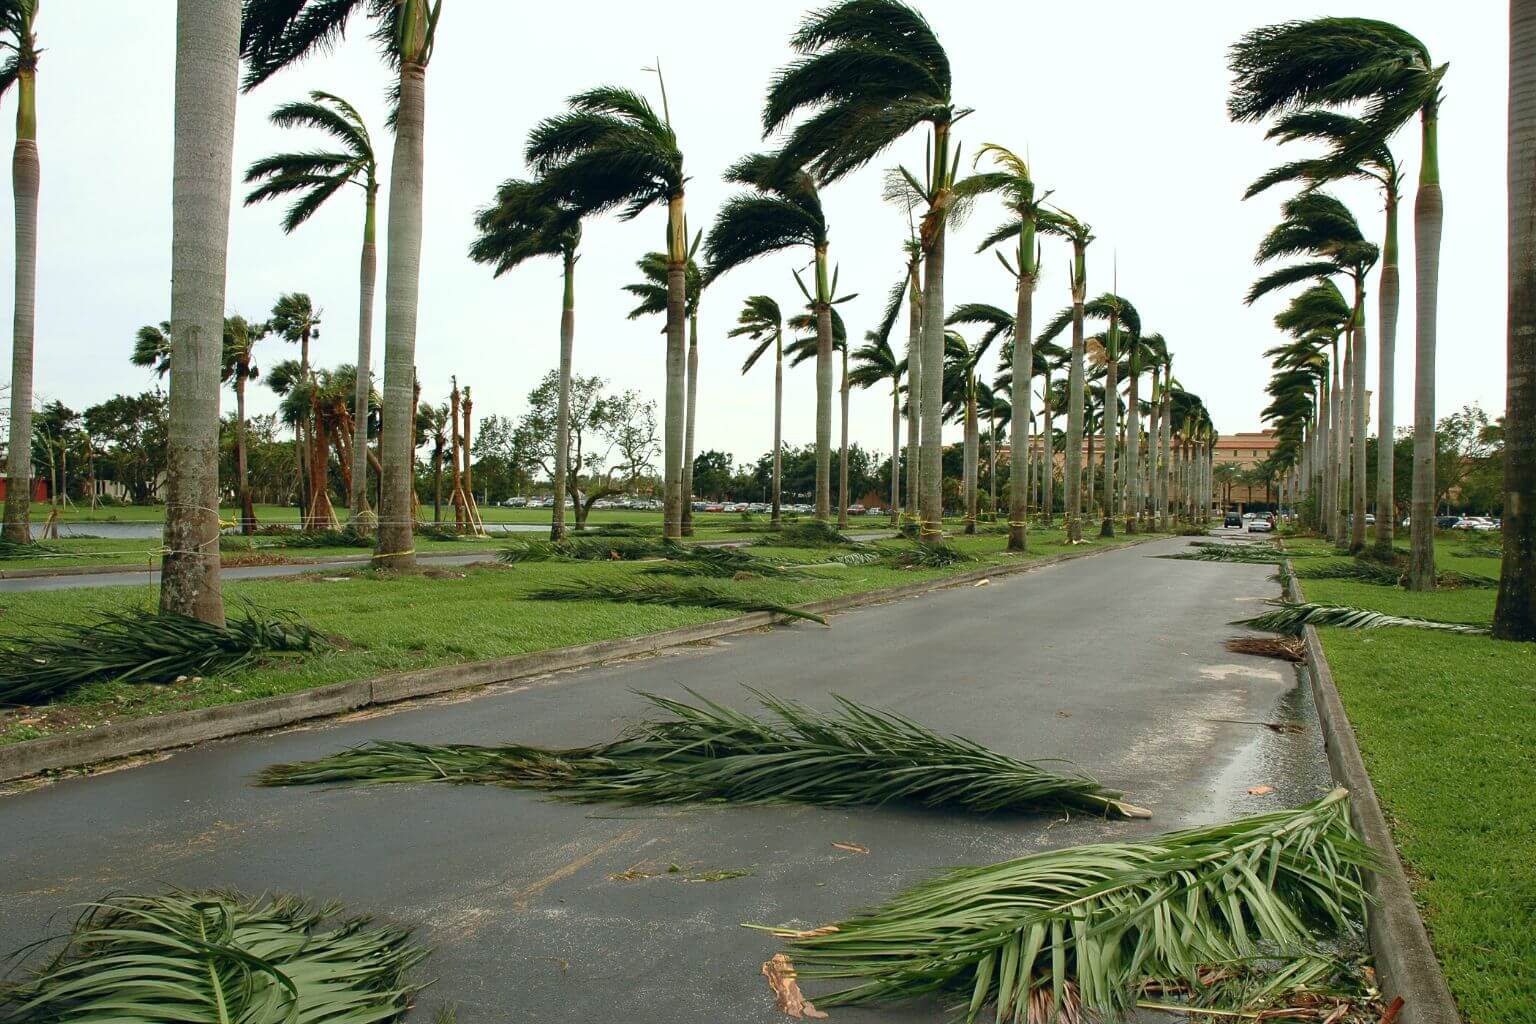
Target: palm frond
(578, 548)
(1286, 648)
(220, 956)
(928, 556)
(1229, 553)
(1084, 928)
(1291, 618)
(693, 594)
(853, 756)
(812, 534)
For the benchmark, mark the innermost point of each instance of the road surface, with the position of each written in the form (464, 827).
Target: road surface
(1114, 662)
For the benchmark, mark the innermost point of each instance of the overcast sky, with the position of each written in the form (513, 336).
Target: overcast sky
(1120, 106)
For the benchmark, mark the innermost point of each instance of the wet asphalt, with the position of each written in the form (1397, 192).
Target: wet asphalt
(1114, 662)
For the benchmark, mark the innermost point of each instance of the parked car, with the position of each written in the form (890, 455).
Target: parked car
(713, 506)
(856, 509)
(1257, 525)
(1233, 521)
(1447, 522)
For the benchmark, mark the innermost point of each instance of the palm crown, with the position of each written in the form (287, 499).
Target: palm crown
(275, 34)
(16, 40)
(520, 225)
(152, 347)
(314, 176)
(783, 210)
(762, 322)
(609, 150)
(1318, 225)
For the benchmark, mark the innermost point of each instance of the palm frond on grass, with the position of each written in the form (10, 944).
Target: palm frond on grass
(1291, 618)
(1375, 573)
(437, 531)
(219, 956)
(704, 751)
(1286, 648)
(588, 549)
(854, 558)
(619, 530)
(1085, 928)
(811, 534)
(137, 645)
(1455, 580)
(287, 537)
(1250, 545)
(12, 549)
(726, 563)
(699, 593)
(1228, 553)
(928, 556)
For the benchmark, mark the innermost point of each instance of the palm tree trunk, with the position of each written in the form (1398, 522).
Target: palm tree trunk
(437, 484)
(1386, 428)
(895, 448)
(778, 422)
(1346, 439)
(563, 405)
(1514, 616)
(931, 465)
(1357, 492)
(1111, 430)
(207, 63)
(693, 396)
(677, 372)
(842, 458)
(1088, 488)
(1165, 431)
(1132, 468)
(914, 392)
(367, 272)
(242, 476)
(972, 457)
(823, 388)
(1428, 215)
(395, 548)
(1021, 396)
(26, 176)
(1074, 480)
(1048, 448)
(992, 458)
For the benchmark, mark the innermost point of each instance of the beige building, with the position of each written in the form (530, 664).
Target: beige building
(1243, 450)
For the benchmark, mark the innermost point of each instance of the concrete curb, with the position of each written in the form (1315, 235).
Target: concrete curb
(183, 728)
(1406, 965)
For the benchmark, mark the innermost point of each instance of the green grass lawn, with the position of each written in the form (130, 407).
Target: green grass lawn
(390, 624)
(1447, 726)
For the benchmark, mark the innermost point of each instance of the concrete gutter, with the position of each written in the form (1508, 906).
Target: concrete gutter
(79, 750)
(1406, 965)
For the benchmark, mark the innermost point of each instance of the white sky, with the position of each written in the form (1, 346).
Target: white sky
(1120, 105)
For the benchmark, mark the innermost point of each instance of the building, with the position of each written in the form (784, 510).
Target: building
(1242, 452)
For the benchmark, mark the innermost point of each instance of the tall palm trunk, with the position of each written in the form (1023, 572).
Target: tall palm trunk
(895, 449)
(992, 458)
(675, 413)
(1346, 439)
(1357, 490)
(1074, 480)
(26, 176)
(823, 388)
(1048, 449)
(1428, 214)
(367, 272)
(1386, 427)
(1023, 377)
(778, 422)
(1165, 498)
(242, 476)
(1132, 468)
(1514, 616)
(688, 429)
(1150, 477)
(563, 405)
(437, 483)
(842, 458)
(972, 455)
(207, 62)
(931, 464)
(914, 391)
(1111, 427)
(1088, 483)
(395, 548)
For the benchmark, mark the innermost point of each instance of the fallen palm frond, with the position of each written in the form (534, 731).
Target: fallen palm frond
(1085, 928)
(287, 537)
(439, 531)
(811, 534)
(1454, 580)
(588, 549)
(1291, 618)
(693, 594)
(721, 562)
(15, 549)
(929, 556)
(1314, 986)
(619, 530)
(1375, 573)
(220, 957)
(848, 757)
(137, 645)
(1286, 648)
(1229, 553)
(1251, 545)
(855, 558)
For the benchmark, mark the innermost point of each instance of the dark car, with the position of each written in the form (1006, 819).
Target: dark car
(1233, 521)
(1447, 522)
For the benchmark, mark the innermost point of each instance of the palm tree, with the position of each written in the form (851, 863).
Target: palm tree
(279, 33)
(311, 178)
(1356, 153)
(207, 66)
(762, 322)
(610, 150)
(1343, 61)
(962, 402)
(1315, 318)
(871, 71)
(296, 320)
(875, 362)
(993, 403)
(435, 419)
(783, 210)
(1064, 225)
(152, 347)
(518, 226)
(1514, 616)
(240, 337)
(18, 67)
(807, 346)
(1120, 314)
(1316, 224)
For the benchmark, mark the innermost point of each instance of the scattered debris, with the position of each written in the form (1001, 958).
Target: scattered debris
(1286, 648)
(1284, 728)
(983, 583)
(852, 847)
(786, 990)
(640, 872)
(1260, 790)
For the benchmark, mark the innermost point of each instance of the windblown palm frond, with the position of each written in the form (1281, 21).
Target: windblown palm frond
(220, 956)
(608, 150)
(135, 645)
(929, 556)
(760, 320)
(152, 347)
(1085, 928)
(1291, 618)
(849, 757)
(588, 549)
(694, 594)
(1229, 553)
(314, 176)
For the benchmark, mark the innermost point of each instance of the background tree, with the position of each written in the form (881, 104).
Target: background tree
(312, 178)
(18, 67)
(875, 363)
(240, 338)
(295, 319)
(152, 347)
(762, 322)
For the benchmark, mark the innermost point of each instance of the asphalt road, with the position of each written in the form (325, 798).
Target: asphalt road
(1114, 662)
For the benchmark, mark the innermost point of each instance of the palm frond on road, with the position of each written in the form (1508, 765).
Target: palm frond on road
(1291, 618)
(220, 956)
(704, 751)
(1286, 648)
(1229, 553)
(699, 593)
(1083, 929)
(137, 645)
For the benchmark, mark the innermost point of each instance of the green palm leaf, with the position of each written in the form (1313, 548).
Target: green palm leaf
(1291, 618)
(849, 757)
(694, 594)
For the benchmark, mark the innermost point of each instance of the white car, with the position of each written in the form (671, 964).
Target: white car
(1259, 526)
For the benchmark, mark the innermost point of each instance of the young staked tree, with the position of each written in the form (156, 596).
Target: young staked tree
(610, 150)
(240, 338)
(870, 72)
(519, 225)
(1514, 616)
(762, 323)
(207, 66)
(279, 33)
(783, 211)
(1337, 62)
(18, 67)
(311, 178)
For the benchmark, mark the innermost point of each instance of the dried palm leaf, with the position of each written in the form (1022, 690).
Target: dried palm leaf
(1286, 648)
